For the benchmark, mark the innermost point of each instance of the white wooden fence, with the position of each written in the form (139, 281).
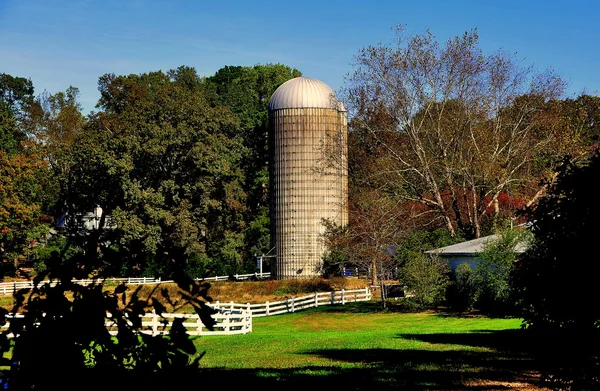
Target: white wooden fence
(298, 303)
(227, 322)
(11, 287)
(235, 318)
(231, 318)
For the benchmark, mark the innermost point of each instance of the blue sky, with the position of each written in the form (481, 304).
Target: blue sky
(58, 43)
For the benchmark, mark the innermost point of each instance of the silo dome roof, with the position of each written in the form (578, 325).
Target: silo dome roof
(303, 92)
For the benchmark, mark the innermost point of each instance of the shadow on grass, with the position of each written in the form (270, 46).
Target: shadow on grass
(388, 370)
(506, 361)
(520, 342)
(380, 369)
(553, 353)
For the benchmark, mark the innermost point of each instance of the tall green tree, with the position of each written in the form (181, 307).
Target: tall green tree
(53, 122)
(22, 222)
(247, 90)
(164, 163)
(16, 93)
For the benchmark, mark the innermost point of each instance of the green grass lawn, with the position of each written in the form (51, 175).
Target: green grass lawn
(357, 347)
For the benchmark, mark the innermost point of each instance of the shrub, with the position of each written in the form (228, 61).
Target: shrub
(198, 266)
(426, 277)
(492, 273)
(463, 292)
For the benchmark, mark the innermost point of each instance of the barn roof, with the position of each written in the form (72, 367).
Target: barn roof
(469, 248)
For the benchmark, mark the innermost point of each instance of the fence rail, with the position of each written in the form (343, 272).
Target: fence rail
(298, 303)
(227, 322)
(12, 287)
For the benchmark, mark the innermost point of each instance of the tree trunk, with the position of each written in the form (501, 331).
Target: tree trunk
(476, 216)
(374, 273)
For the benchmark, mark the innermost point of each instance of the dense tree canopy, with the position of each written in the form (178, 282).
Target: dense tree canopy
(164, 164)
(555, 280)
(177, 162)
(441, 135)
(554, 276)
(16, 93)
(22, 223)
(53, 122)
(464, 134)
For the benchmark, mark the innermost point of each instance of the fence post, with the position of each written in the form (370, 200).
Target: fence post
(199, 324)
(343, 297)
(293, 303)
(227, 322)
(316, 299)
(332, 297)
(154, 322)
(248, 308)
(267, 303)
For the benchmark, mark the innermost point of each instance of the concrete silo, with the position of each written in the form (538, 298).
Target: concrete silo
(308, 168)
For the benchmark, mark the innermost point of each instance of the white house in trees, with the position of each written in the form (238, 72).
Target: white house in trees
(468, 251)
(89, 220)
